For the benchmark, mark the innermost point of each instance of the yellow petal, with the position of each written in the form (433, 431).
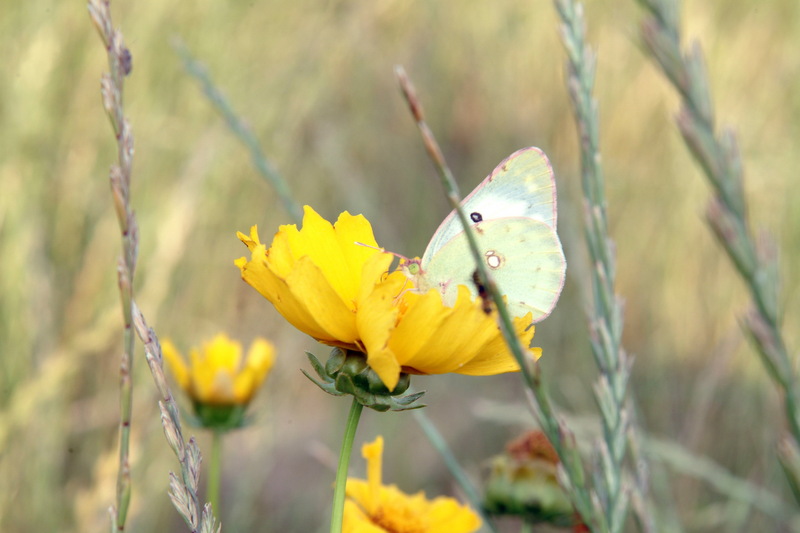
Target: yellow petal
(319, 299)
(295, 307)
(260, 358)
(314, 275)
(223, 353)
(446, 515)
(258, 363)
(373, 453)
(356, 521)
(251, 241)
(176, 363)
(334, 249)
(435, 339)
(489, 362)
(376, 318)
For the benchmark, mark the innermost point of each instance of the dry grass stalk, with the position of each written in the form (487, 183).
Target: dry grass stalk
(183, 489)
(119, 61)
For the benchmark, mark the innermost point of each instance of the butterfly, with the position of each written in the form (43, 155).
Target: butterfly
(513, 214)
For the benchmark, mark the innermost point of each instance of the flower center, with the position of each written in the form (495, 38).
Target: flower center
(398, 519)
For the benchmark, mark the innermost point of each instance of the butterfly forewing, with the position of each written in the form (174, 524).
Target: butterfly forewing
(521, 186)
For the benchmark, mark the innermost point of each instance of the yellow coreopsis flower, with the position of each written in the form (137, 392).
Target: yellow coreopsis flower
(219, 376)
(372, 507)
(327, 284)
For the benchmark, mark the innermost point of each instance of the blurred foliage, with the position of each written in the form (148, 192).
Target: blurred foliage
(314, 80)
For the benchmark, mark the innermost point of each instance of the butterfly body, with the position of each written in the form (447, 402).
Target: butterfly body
(513, 214)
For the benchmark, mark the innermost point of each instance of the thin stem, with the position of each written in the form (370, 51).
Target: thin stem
(559, 435)
(215, 471)
(240, 129)
(344, 461)
(458, 473)
(119, 62)
(451, 190)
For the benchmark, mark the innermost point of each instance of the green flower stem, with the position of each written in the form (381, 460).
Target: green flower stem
(559, 435)
(215, 471)
(344, 461)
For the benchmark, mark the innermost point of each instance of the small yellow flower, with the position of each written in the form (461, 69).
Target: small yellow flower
(339, 292)
(217, 374)
(372, 507)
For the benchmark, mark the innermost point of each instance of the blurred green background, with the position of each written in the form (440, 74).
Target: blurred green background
(314, 80)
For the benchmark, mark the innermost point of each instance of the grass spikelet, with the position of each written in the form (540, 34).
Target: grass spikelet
(719, 157)
(614, 484)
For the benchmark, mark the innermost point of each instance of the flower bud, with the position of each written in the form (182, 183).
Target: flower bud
(523, 482)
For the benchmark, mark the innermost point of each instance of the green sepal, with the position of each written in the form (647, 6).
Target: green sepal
(219, 417)
(347, 372)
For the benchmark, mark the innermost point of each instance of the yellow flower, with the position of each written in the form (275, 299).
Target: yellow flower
(372, 507)
(339, 292)
(217, 374)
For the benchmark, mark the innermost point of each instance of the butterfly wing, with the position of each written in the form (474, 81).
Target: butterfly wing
(522, 185)
(523, 254)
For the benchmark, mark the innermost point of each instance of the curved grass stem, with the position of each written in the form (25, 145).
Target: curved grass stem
(183, 488)
(264, 167)
(559, 435)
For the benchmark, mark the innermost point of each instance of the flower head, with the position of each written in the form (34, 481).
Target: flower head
(372, 507)
(218, 378)
(328, 284)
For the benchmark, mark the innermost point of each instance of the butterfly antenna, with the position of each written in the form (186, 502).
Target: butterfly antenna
(404, 290)
(403, 258)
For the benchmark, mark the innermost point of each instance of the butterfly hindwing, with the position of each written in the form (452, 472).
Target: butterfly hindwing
(523, 254)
